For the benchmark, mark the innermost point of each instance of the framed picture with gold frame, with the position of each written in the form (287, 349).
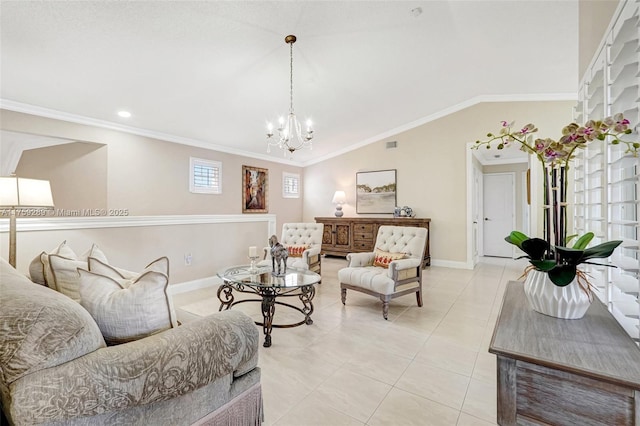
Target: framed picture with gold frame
(255, 190)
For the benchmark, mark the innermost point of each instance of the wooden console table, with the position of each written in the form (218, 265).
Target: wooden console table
(564, 372)
(344, 235)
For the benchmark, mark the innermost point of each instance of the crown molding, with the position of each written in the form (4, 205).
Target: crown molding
(88, 121)
(542, 97)
(73, 118)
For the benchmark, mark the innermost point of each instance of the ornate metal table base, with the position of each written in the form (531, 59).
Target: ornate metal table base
(268, 296)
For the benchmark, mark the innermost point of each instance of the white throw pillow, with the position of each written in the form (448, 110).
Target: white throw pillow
(39, 267)
(127, 309)
(101, 267)
(64, 271)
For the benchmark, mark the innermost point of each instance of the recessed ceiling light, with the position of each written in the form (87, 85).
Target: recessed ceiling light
(416, 12)
(124, 114)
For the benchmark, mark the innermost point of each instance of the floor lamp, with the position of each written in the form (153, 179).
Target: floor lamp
(22, 194)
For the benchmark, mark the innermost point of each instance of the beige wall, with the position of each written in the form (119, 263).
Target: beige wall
(431, 164)
(77, 172)
(211, 245)
(147, 177)
(594, 17)
(150, 177)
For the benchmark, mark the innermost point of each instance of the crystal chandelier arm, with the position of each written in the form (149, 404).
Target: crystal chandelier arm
(290, 137)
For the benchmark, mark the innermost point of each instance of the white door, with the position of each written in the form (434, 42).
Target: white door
(499, 213)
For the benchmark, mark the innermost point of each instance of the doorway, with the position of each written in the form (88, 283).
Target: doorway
(499, 213)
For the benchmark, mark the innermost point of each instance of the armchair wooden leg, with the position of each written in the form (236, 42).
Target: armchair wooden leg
(343, 295)
(419, 297)
(385, 308)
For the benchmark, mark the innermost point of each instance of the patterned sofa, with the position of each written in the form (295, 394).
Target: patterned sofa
(56, 369)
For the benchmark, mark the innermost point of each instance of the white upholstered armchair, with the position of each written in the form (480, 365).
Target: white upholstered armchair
(303, 242)
(393, 269)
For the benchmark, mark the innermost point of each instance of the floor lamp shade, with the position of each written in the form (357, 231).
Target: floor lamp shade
(20, 193)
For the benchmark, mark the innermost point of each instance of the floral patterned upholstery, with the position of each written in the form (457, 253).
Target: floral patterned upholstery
(55, 367)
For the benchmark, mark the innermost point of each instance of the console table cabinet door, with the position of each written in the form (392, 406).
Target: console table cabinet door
(336, 237)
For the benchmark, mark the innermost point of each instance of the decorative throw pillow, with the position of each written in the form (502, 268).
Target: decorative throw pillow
(295, 250)
(39, 267)
(101, 267)
(64, 271)
(39, 328)
(127, 309)
(383, 258)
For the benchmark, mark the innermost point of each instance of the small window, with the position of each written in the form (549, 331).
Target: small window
(290, 185)
(205, 176)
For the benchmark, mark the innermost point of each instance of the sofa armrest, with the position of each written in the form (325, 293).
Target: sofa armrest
(156, 368)
(360, 259)
(402, 264)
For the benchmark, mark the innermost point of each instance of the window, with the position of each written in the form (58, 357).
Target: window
(290, 185)
(205, 176)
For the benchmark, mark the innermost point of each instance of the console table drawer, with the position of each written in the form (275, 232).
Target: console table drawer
(363, 227)
(363, 236)
(362, 246)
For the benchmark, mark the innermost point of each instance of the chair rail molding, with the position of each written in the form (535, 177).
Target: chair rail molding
(94, 222)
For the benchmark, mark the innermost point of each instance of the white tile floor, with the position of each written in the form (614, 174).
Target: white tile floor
(424, 366)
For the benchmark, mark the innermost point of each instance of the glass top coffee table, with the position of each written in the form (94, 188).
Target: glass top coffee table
(270, 287)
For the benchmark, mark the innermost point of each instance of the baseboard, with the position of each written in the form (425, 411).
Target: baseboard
(194, 285)
(451, 264)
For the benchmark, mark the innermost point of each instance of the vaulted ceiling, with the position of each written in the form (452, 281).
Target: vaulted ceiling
(212, 73)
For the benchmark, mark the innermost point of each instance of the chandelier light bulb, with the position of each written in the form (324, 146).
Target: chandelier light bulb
(290, 136)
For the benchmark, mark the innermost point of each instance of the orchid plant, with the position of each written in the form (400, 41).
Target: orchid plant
(550, 254)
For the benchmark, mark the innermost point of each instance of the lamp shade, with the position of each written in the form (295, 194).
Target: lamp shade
(20, 192)
(339, 197)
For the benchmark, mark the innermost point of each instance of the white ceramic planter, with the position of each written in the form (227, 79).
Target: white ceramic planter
(569, 302)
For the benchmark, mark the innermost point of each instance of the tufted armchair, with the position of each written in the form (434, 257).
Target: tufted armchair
(393, 269)
(304, 242)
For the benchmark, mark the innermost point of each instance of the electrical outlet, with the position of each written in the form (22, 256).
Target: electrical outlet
(188, 259)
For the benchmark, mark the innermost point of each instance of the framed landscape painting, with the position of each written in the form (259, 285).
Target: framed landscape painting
(255, 190)
(376, 191)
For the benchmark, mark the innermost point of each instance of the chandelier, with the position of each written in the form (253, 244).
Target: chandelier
(290, 137)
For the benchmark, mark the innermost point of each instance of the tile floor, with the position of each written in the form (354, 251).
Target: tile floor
(424, 366)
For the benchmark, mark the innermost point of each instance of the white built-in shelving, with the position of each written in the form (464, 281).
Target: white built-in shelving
(606, 179)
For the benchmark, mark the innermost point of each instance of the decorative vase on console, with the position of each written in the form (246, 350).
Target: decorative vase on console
(554, 285)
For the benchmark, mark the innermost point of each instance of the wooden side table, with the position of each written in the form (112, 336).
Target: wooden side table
(564, 372)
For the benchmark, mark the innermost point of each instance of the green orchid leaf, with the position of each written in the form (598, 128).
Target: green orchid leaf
(569, 255)
(544, 265)
(535, 248)
(569, 238)
(516, 238)
(562, 275)
(601, 250)
(598, 264)
(584, 241)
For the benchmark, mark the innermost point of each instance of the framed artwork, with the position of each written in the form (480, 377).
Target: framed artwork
(376, 191)
(255, 190)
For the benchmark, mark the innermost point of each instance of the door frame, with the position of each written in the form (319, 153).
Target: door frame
(513, 207)
(533, 210)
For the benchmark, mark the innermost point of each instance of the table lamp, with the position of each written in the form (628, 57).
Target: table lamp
(339, 198)
(22, 194)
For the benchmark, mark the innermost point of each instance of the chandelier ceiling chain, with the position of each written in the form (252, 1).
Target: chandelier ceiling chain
(290, 137)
